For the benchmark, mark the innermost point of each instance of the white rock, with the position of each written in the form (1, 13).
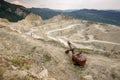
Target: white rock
(88, 77)
(43, 74)
(13, 67)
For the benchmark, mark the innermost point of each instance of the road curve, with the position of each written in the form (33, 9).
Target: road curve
(71, 26)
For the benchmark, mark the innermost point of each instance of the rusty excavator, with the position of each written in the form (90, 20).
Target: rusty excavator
(77, 56)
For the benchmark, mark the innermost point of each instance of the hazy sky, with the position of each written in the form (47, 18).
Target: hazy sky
(69, 4)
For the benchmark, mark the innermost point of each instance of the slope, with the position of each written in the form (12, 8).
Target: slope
(27, 53)
(12, 12)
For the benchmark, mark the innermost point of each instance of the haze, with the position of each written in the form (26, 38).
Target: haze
(69, 4)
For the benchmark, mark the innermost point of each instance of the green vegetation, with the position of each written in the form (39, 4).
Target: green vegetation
(10, 16)
(7, 11)
(33, 49)
(46, 58)
(21, 62)
(15, 62)
(1, 74)
(44, 13)
(103, 16)
(87, 51)
(81, 78)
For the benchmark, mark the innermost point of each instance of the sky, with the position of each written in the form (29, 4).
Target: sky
(69, 4)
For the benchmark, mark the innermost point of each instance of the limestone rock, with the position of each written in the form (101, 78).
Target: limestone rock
(61, 17)
(44, 74)
(10, 74)
(88, 77)
(32, 20)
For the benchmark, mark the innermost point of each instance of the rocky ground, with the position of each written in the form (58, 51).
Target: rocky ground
(37, 51)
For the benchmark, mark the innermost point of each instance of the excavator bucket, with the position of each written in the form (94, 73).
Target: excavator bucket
(77, 56)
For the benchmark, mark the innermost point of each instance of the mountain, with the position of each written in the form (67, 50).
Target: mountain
(117, 10)
(12, 12)
(45, 13)
(31, 20)
(103, 16)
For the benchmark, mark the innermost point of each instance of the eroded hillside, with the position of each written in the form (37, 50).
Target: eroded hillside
(33, 49)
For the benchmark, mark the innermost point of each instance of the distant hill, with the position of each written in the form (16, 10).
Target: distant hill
(12, 12)
(117, 10)
(45, 13)
(104, 16)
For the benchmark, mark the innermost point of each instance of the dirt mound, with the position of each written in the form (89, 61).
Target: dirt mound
(32, 20)
(61, 17)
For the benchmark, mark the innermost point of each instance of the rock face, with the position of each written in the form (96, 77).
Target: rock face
(32, 20)
(4, 20)
(19, 12)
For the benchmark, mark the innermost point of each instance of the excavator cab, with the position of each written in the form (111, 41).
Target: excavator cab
(77, 56)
